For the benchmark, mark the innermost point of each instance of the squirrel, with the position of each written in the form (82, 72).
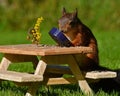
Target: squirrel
(80, 35)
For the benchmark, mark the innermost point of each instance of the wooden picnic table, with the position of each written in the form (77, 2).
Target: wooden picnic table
(49, 68)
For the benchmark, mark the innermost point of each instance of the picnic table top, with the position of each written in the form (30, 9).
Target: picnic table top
(42, 50)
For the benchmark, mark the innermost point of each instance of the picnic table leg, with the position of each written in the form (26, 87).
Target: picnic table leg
(40, 69)
(12, 58)
(32, 89)
(70, 60)
(4, 64)
(78, 74)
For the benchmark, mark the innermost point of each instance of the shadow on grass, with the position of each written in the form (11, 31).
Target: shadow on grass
(60, 90)
(108, 85)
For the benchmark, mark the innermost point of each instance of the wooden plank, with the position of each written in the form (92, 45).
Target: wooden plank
(4, 63)
(57, 81)
(58, 59)
(79, 76)
(85, 88)
(19, 77)
(40, 69)
(31, 49)
(15, 58)
(100, 74)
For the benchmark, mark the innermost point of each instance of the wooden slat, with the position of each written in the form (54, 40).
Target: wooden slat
(19, 77)
(100, 74)
(31, 49)
(4, 64)
(57, 81)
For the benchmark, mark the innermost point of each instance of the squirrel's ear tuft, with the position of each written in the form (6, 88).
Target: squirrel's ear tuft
(63, 11)
(75, 13)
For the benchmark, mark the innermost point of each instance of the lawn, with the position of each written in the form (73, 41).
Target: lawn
(109, 57)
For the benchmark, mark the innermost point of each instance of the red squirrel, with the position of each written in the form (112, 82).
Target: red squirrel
(80, 35)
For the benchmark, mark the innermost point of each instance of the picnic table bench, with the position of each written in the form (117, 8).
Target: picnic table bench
(49, 67)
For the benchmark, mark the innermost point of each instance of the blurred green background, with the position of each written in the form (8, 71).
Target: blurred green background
(99, 15)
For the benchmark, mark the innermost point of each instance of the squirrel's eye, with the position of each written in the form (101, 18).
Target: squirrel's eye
(71, 22)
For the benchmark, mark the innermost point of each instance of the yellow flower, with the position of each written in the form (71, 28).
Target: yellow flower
(37, 33)
(37, 38)
(33, 31)
(37, 24)
(36, 28)
(40, 19)
(34, 34)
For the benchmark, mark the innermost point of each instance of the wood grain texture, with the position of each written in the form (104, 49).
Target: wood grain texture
(20, 77)
(57, 81)
(31, 49)
(100, 74)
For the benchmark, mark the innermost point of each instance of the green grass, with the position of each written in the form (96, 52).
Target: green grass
(109, 57)
(109, 52)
